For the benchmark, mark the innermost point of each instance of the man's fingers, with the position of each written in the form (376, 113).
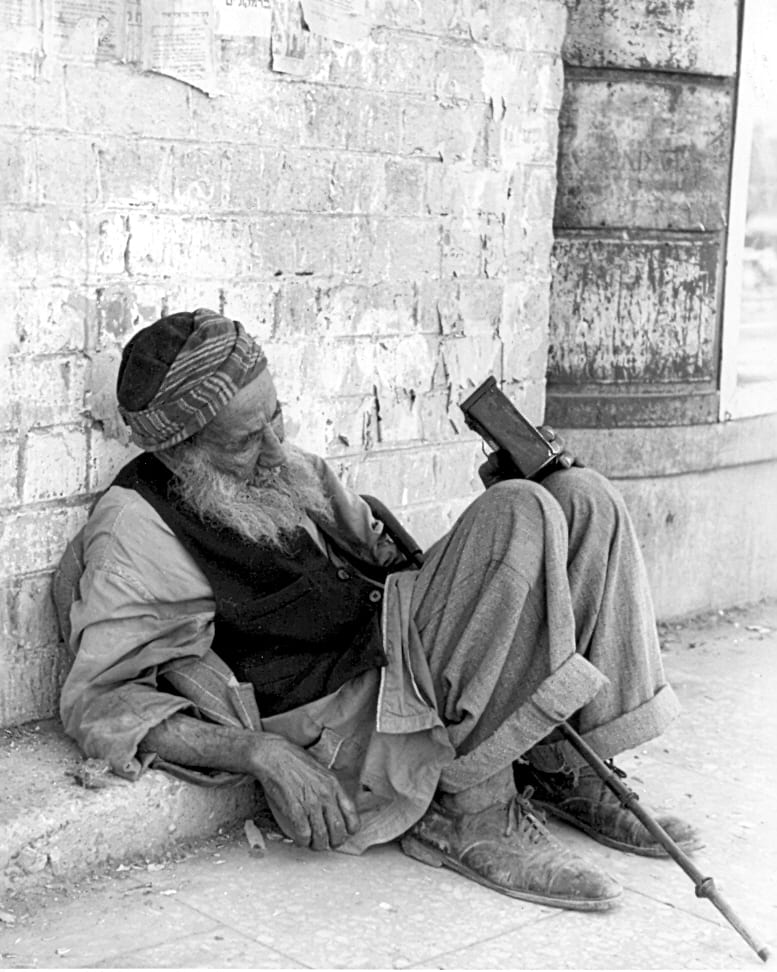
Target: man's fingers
(319, 832)
(352, 821)
(335, 823)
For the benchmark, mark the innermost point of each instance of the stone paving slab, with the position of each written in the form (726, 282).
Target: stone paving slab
(219, 906)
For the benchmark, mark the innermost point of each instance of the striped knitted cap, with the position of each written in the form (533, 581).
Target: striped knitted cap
(176, 374)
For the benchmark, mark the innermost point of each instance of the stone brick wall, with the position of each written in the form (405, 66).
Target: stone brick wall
(382, 225)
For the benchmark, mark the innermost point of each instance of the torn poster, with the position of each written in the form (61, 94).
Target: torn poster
(289, 38)
(86, 30)
(243, 18)
(132, 47)
(178, 41)
(19, 26)
(340, 20)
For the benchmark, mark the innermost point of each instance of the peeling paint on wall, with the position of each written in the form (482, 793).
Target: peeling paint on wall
(633, 311)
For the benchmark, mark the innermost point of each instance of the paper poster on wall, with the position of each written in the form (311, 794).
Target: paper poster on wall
(19, 26)
(243, 18)
(178, 41)
(84, 29)
(132, 47)
(288, 40)
(340, 20)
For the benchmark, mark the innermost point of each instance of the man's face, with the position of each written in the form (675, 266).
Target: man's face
(248, 432)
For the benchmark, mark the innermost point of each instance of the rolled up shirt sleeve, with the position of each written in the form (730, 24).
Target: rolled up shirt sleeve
(142, 603)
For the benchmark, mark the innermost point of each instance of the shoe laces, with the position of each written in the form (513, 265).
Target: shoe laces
(523, 819)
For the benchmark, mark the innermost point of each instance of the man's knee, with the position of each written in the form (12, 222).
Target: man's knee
(585, 492)
(518, 505)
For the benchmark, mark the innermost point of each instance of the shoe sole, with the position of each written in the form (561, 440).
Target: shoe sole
(436, 858)
(687, 846)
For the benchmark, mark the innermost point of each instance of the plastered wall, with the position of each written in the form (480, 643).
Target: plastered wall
(382, 225)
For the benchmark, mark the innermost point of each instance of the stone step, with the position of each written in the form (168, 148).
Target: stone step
(62, 817)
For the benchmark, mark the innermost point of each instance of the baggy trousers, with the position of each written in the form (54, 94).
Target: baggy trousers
(533, 607)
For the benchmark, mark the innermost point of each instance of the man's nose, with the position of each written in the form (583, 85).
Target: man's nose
(272, 453)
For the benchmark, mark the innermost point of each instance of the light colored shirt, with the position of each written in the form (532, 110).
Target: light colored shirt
(143, 602)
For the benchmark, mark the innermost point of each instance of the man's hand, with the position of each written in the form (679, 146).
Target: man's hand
(499, 466)
(564, 458)
(307, 800)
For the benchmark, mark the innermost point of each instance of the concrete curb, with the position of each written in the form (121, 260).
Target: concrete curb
(52, 828)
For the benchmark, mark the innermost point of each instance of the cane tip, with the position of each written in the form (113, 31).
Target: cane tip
(763, 954)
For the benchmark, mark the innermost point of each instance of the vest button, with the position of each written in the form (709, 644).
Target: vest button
(343, 574)
(375, 596)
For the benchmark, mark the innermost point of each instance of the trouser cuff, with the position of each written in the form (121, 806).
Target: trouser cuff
(563, 692)
(624, 732)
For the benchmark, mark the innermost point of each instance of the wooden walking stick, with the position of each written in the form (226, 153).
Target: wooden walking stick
(705, 886)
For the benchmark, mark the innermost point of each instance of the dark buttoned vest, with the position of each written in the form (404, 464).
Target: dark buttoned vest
(293, 624)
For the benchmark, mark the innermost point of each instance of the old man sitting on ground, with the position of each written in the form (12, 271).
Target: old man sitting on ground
(240, 611)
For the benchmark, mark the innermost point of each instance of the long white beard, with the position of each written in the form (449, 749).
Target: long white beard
(268, 509)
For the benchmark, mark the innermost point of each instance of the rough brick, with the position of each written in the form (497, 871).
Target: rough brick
(528, 240)
(276, 180)
(524, 349)
(700, 36)
(49, 390)
(17, 93)
(253, 303)
(381, 309)
(350, 119)
(45, 320)
(257, 107)
(37, 247)
(332, 427)
(456, 187)
(116, 311)
(66, 170)
(31, 618)
(521, 136)
(461, 307)
(134, 175)
(106, 457)
(201, 178)
(358, 183)
(472, 358)
(536, 26)
(9, 406)
(114, 99)
(54, 464)
(17, 168)
(107, 244)
(458, 73)
(33, 540)
(177, 246)
(32, 677)
(388, 61)
(448, 132)
(410, 251)
(9, 463)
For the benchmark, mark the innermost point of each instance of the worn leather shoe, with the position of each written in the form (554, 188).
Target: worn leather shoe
(581, 798)
(506, 848)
